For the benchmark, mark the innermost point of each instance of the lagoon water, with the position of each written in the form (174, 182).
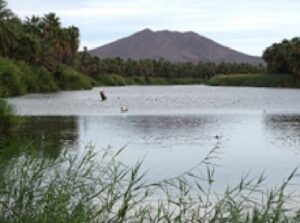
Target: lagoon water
(172, 128)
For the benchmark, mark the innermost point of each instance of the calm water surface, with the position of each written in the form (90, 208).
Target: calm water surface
(173, 128)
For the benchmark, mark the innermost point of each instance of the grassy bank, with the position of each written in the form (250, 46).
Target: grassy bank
(117, 80)
(254, 80)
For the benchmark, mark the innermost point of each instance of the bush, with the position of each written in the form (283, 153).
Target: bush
(111, 80)
(36, 79)
(135, 80)
(17, 77)
(187, 80)
(69, 79)
(8, 121)
(45, 80)
(10, 78)
(27, 77)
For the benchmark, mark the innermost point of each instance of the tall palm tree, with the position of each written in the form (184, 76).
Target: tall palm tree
(33, 25)
(51, 35)
(7, 36)
(74, 41)
(50, 23)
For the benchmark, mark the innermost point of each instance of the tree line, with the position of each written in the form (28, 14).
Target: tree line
(94, 66)
(37, 40)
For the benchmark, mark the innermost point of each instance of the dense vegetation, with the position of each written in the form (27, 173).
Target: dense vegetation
(39, 55)
(284, 58)
(146, 68)
(254, 80)
(283, 68)
(8, 121)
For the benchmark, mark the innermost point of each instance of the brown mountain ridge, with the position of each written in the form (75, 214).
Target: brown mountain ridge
(172, 46)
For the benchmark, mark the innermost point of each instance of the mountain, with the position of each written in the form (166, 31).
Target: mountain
(172, 46)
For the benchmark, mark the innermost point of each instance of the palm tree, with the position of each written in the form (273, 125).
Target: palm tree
(51, 40)
(50, 23)
(7, 36)
(33, 25)
(73, 40)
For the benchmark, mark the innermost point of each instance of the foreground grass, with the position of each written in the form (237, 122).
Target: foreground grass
(93, 187)
(254, 80)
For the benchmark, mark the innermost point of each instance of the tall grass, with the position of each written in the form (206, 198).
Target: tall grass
(117, 80)
(98, 188)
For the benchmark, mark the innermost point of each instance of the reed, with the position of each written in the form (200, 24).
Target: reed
(96, 187)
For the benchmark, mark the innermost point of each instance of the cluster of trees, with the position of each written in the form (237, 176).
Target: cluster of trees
(284, 58)
(38, 54)
(37, 40)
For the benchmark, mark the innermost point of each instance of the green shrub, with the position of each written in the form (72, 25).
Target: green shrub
(135, 80)
(36, 79)
(28, 77)
(69, 79)
(187, 80)
(140, 80)
(8, 121)
(17, 77)
(10, 78)
(111, 80)
(45, 80)
(157, 81)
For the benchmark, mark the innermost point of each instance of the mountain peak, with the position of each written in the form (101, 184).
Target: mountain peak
(173, 46)
(146, 30)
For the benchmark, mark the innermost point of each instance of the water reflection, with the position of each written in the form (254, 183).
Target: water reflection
(171, 144)
(283, 130)
(55, 133)
(167, 144)
(146, 129)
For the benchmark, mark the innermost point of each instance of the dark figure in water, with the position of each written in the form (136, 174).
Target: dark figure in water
(102, 95)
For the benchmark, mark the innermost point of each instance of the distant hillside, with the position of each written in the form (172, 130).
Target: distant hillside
(172, 46)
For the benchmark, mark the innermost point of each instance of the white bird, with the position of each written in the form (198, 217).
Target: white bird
(124, 109)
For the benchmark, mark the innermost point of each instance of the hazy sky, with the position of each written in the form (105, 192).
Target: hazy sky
(245, 25)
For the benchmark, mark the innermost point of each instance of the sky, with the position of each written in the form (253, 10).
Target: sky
(248, 26)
